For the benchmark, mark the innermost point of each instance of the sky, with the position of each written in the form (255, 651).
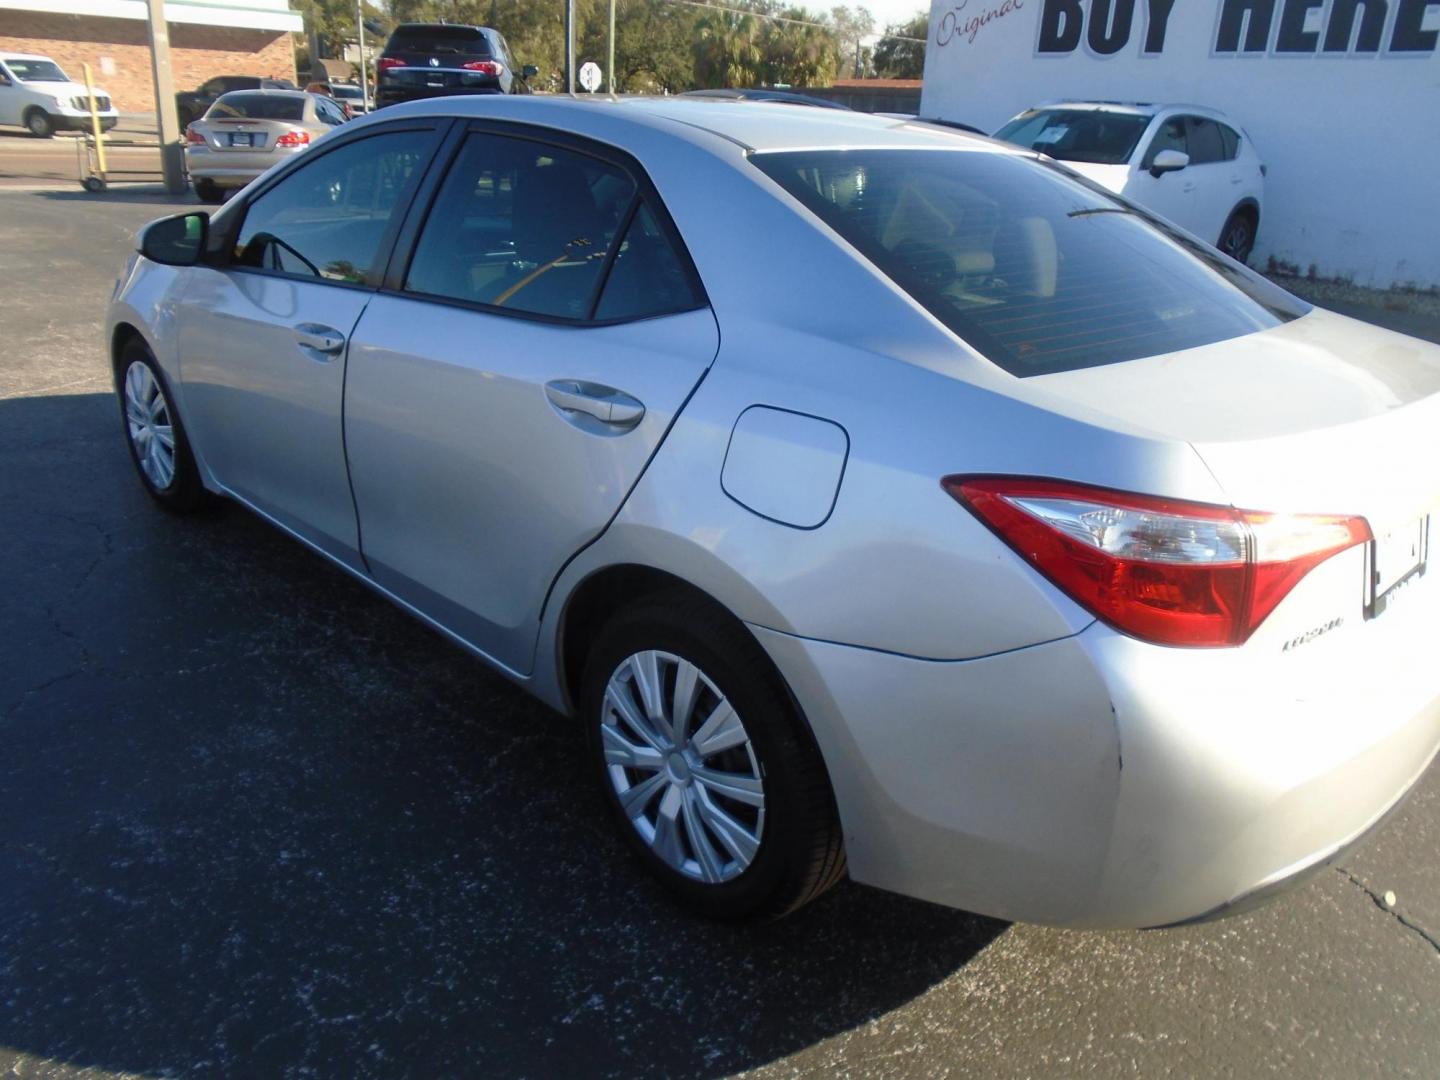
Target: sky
(892, 11)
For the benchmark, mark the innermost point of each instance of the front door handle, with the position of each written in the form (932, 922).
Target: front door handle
(317, 338)
(604, 403)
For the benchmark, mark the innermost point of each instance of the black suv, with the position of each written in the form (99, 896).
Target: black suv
(191, 104)
(433, 59)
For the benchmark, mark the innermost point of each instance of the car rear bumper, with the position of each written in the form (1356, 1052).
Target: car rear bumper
(394, 95)
(232, 169)
(1097, 781)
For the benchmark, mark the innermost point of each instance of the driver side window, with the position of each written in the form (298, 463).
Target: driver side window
(327, 219)
(1171, 136)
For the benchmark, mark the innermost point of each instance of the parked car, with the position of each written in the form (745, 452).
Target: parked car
(193, 104)
(37, 95)
(351, 97)
(247, 131)
(1189, 164)
(433, 59)
(929, 512)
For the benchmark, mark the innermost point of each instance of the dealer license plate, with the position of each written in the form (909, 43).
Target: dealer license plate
(1395, 559)
(241, 138)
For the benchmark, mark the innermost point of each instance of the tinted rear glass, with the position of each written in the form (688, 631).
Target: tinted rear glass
(439, 40)
(257, 107)
(1090, 135)
(1037, 271)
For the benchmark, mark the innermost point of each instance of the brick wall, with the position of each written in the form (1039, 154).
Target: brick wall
(196, 52)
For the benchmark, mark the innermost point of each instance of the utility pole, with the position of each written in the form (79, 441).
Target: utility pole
(570, 46)
(172, 154)
(610, 62)
(364, 78)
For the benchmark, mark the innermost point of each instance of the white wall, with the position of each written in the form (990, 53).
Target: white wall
(1351, 138)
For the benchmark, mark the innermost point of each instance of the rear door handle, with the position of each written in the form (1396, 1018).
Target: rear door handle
(318, 338)
(604, 403)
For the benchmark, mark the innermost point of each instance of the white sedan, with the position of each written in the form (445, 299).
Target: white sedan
(1189, 164)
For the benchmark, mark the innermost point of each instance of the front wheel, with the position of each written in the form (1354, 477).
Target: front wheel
(39, 124)
(710, 774)
(158, 446)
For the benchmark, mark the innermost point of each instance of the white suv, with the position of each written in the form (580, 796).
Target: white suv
(1189, 164)
(36, 94)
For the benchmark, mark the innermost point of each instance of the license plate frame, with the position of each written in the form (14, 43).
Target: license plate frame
(242, 140)
(1394, 560)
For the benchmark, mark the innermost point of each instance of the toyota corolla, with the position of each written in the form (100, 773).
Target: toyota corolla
(876, 498)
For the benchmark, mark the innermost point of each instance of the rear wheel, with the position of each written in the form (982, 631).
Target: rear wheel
(1237, 238)
(207, 191)
(710, 773)
(39, 124)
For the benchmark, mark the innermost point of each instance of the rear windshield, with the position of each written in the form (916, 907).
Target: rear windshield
(1090, 135)
(439, 40)
(346, 92)
(1037, 271)
(36, 70)
(257, 107)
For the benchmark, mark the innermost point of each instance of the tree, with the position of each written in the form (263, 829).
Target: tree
(852, 24)
(898, 58)
(727, 49)
(799, 52)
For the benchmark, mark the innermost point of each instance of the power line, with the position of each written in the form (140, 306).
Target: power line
(786, 19)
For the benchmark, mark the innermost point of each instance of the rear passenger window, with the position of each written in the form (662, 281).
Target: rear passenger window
(648, 277)
(523, 226)
(1231, 141)
(326, 220)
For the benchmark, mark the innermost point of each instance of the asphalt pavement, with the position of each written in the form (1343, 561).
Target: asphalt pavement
(255, 822)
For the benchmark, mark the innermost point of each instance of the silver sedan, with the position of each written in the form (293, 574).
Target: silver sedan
(245, 132)
(877, 498)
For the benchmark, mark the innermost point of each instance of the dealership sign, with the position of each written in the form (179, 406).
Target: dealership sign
(1352, 145)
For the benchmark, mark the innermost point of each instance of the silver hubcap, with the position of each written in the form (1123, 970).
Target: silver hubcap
(683, 767)
(147, 418)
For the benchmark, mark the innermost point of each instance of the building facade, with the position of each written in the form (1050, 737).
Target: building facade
(1339, 97)
(207, 38)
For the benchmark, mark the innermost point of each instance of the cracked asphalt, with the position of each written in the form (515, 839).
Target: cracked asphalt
(254, 822)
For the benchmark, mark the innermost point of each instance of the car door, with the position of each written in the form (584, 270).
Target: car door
(508, 386)
(1210, 172)
(1171, 194)
(10, 98)
(262, 336)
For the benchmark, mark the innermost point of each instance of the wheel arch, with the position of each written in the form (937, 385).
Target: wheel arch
(1248, 205)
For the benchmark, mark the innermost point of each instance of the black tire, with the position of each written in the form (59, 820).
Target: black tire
(184, 492)
(801, 852)
(39, 124)
(1237, 238)
(207, 191)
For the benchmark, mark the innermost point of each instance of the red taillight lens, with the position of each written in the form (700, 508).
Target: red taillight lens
(485, 67)
(1162, 570)
(193, 136)
(388, 63)
(294, 138)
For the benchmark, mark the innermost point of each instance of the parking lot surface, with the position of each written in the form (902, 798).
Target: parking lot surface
(256, 822)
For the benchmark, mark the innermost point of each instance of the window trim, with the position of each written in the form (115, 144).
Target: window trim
(407, 241)
(223, 257)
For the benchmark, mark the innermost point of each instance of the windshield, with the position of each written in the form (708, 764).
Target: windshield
(350, 92)
(37, 70)
(438, 40)
(1037, 271)
(253, 106)
(1095, 136)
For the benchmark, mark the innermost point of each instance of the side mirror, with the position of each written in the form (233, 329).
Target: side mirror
(1168, 161)
(529, 70)
(176, 241)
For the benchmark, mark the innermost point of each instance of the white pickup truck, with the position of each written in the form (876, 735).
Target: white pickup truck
(36, 94)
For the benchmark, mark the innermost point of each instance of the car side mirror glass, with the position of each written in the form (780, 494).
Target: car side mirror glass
(176, 241)
(1168, 161)
(529, 70)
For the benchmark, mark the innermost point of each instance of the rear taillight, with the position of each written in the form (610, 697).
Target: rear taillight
(388, 63)
(485, 67)
(1162, 570)
(194, 137)
(294, 138)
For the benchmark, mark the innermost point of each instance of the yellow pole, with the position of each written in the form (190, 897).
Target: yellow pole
(95, 120)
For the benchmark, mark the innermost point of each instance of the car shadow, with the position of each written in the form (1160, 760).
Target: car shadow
(260, 822)
(150, 194)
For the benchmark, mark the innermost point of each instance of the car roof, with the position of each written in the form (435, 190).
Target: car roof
(1138, 108)
(753, 125)
(26, 56)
